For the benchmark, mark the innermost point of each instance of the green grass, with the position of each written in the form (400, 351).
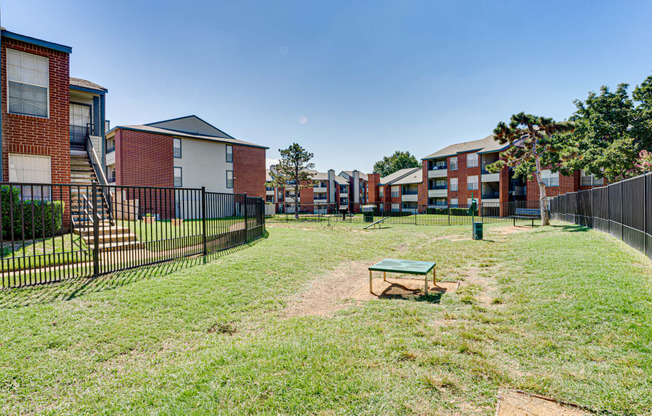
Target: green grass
(50, 251)
(558, 311)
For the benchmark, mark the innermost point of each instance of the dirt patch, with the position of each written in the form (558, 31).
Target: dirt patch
(518, 403)
(510, 229)
(349, 284)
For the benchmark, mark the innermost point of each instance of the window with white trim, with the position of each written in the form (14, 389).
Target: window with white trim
(31, 169)
(381, 191)
(229, 179)
(229, 153)
(453, 163)
(396, 191)
(177, 147)
(453, 202)
(28, 82)
(550, 178)
(453, 185)
(178, 177)
(471, 160)
(472, 183)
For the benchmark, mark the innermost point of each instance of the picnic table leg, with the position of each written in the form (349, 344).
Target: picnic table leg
(426, 280)
(434, 276)
(371, 290)
(384, 276)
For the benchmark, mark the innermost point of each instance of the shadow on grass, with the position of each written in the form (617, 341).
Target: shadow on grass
(76, 287)
(571, 228)
(400, 292)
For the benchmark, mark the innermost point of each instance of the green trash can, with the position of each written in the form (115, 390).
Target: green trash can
(368, 212)
(477, 231)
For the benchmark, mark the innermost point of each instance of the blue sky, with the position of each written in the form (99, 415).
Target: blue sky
(351, 81)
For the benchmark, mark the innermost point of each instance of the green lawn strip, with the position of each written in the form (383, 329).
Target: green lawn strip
(61, 249)
(211, 338)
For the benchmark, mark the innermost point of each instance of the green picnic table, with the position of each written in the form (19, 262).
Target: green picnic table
(421, 268)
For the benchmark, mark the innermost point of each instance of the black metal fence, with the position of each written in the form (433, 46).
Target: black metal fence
(488, 212)
(622, 209)
(54, 232)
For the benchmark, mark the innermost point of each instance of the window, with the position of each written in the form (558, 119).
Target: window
(472, 183)
(229, 153)
(381, 192)
(229, 179)
(177, 147)
(178, 177)
(549, 178)
(396, 191)
(454, 184)
(454, 203)
(453, 163)
(31, 169)
(590, 180)
(471, 160)
(28, 79)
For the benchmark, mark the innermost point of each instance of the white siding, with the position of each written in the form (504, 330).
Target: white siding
(204, 164)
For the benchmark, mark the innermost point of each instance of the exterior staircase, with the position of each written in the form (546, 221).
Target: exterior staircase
(111, 236)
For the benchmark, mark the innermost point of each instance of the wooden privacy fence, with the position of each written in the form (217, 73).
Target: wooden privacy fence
(53, 232)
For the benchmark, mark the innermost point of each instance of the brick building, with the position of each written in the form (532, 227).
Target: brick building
(326, 192)
(458, 172)
(401, 191)
(185, 152)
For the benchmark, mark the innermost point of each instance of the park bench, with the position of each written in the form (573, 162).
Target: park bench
(526, 214)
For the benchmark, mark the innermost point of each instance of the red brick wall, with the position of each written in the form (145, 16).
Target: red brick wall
(566, 184)
(373, 179)
(146, 159)
(36, 135)
(249, 171)
(307, 196)
(503, 191)
(423, 187)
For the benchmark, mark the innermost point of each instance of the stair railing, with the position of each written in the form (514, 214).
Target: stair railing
(85, 208)
(101, 176)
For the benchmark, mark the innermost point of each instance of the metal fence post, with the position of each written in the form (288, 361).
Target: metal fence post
(203, 220)
(96, 233)
(449, 214)
(246, 227)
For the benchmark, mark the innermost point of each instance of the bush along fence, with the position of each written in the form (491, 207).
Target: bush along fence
(622, 209)
(488, 212)
(55, 232)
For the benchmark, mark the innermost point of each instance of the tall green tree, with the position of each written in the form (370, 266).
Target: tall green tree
(611, 130)
(399, 160)
(535, 143)
(291, 171)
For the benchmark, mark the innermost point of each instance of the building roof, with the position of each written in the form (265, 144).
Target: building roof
(486, 145)
(85, 84)
(34, 41)
(349, 173)
(412, 178)
(341, 180)
(399, 174)
(320, 176)
(191, 127)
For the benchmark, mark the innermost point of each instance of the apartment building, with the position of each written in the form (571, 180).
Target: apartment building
(457, 173)
(402, 191)
(185, 152)
(358, 188)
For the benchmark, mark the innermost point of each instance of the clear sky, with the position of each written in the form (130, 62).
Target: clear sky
(351, 81)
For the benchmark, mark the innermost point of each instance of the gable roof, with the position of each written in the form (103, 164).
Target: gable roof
(34, 41)
(349, 173)
(191, 125)
(486, 145)
(412, 178)
(85, 84)
(399, 174)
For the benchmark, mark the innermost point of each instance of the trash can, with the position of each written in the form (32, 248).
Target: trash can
(477, 231)
(368, 212)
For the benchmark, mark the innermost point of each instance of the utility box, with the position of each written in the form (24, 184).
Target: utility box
(477, 231)
(368, 212)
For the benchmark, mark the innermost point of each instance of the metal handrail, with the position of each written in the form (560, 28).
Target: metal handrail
(99, 173)
(85, 203)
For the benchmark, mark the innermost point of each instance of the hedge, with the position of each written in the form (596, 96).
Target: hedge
(43, 210)
(459, 212)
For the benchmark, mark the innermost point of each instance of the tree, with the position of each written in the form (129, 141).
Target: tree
(399, 160)
(535, 143)
(292, 171)
(611, 129)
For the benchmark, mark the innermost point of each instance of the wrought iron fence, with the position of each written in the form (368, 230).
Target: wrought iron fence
(54, 232)
(489, 212)
(621, 209)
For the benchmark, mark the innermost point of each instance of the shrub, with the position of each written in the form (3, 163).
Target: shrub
(48, 216)
(10, 197)
(460, 212)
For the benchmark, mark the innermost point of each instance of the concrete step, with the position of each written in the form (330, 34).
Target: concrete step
(108, 229)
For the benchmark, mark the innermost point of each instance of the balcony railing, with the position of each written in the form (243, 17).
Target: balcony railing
(438, 187)
(490, 195)
(439, 167)
(411, 192)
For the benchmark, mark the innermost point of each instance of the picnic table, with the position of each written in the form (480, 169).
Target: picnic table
(421, 268)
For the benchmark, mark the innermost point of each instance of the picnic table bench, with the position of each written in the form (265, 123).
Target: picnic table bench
(421, 268)
(526, 214)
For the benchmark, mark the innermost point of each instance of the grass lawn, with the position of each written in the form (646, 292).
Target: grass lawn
(61, 249)
(559, 311)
